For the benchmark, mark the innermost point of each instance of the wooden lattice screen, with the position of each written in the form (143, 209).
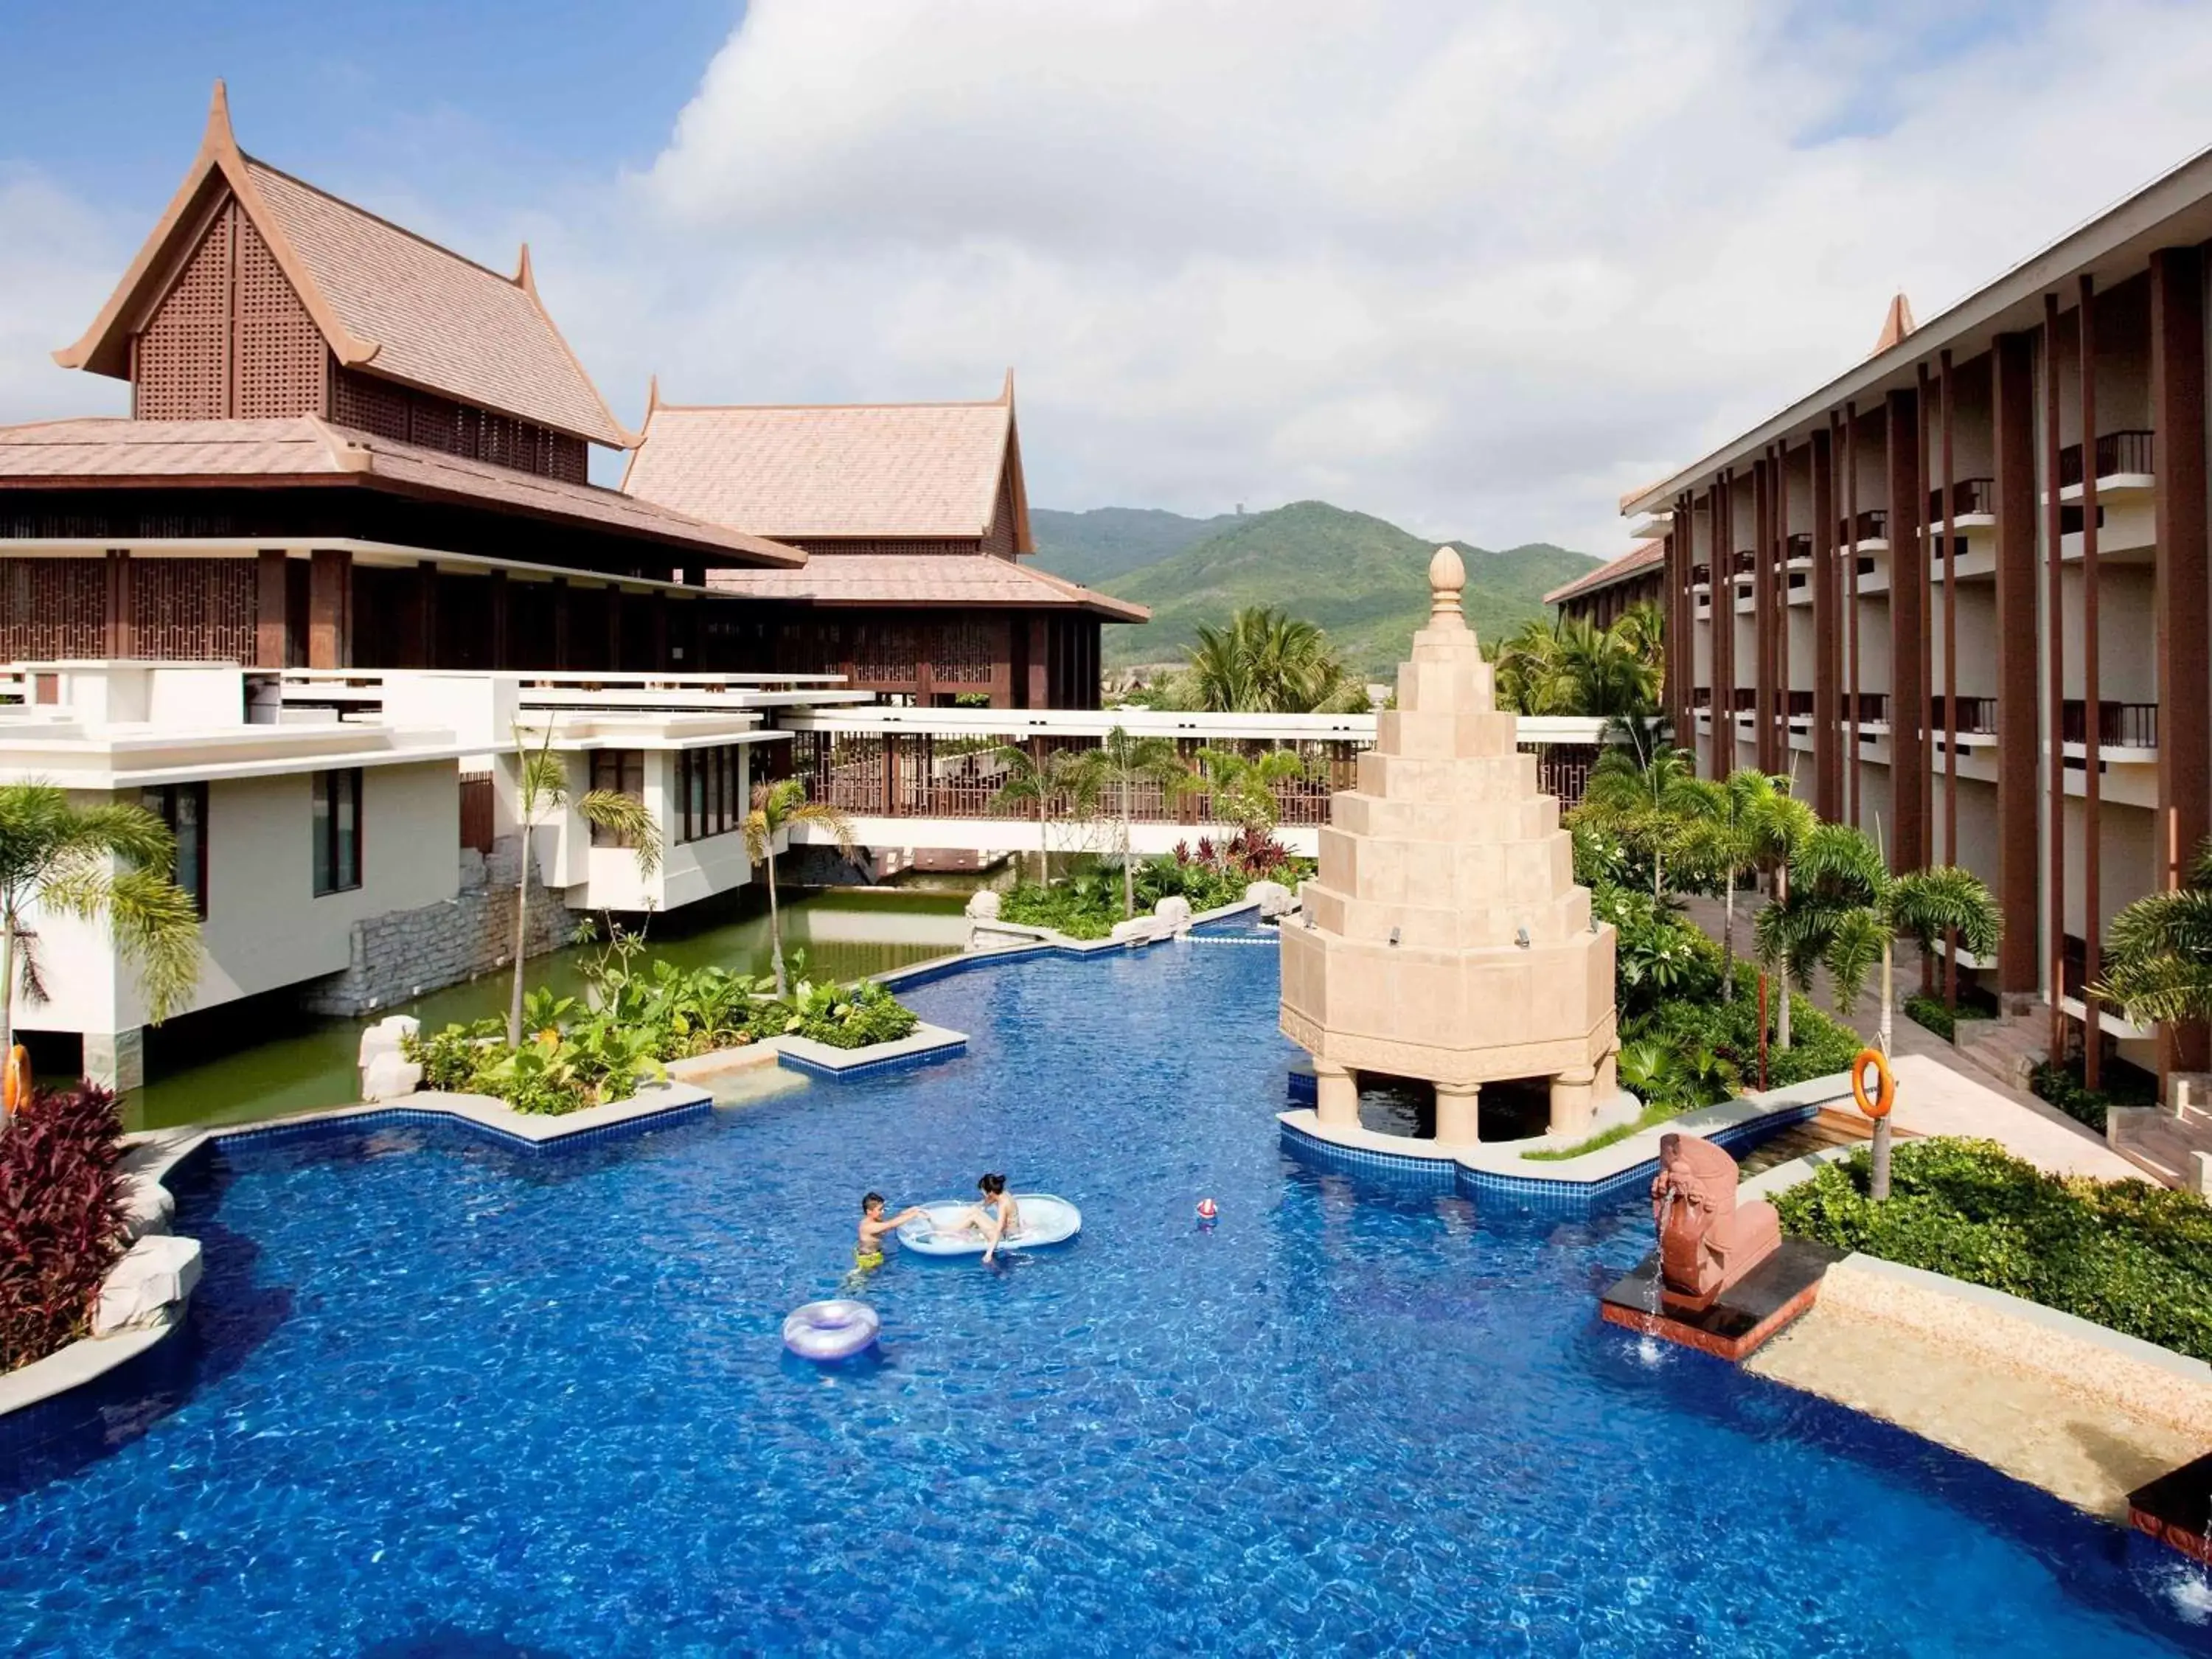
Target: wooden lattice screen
(278, 352)
(192, 609)
(962, 654)
(52, 608)
(180, 366)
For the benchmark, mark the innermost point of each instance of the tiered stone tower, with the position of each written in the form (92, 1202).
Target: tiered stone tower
(1444, 938)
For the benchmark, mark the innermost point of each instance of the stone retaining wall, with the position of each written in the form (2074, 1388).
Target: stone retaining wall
(404, 953)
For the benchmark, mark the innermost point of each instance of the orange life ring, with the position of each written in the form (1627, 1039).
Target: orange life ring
(1886, 1096)
(16, 1080)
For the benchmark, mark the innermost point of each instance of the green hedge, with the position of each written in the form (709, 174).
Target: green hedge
(2125, 1254)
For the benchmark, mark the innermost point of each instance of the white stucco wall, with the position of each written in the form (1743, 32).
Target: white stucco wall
(265, 928)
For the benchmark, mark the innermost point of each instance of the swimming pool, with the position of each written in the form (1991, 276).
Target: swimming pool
(441, 1398)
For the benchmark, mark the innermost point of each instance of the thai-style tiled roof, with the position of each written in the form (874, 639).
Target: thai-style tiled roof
(924, 579)
(864, 470)
(389, 302)
(308, 451)
(1643, 556)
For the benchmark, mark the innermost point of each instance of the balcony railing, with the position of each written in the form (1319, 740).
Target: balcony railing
(1874, 706)
(1701, 575)
(2117, 453)
(2119, 724)
(1873, 526)
(1745, 563)
(1746, 699)
(1701, 697)
(1968, 496)
(1977, 716)
(1799, 546)
(2074, 965)
(1799, 705)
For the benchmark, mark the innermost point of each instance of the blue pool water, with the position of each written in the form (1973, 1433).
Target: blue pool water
(442, 1398)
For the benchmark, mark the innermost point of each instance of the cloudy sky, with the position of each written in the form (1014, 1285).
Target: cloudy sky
(1475, 265)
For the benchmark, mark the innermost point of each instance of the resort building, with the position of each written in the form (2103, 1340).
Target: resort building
(1637, 577)
(355, 838)
(1959, 593)
(916, 520)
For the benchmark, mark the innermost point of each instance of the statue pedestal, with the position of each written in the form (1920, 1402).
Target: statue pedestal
(1741, 1317)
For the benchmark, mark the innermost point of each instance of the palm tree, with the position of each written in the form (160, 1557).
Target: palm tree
(1526, 666)
(775, 806)
(1650, 801)
(1724, 843)
(1243, 786)
(1027, 782)
(542, 786)
(2158, 952)
(1264, 661)
(1120, 763)
(1842, 910)
(1779, 822)
(1604, 671)
(110, 862)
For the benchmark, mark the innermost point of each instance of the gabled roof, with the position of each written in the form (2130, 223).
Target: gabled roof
(305, 450)
(1896, 324)
(1644, 556)
(924, 579)
(389, 302)
(924, 470)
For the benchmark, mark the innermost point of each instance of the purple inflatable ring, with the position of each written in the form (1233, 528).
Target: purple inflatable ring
(835, 1329)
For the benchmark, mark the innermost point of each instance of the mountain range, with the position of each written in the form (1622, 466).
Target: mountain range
(1361, 578)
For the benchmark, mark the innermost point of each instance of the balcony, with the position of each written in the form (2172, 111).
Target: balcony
(2119, 724)
(1701, 697)
(1971, 498)
(1746, 563)
(1701, 576)
(1873, 707)
(2074, 965)
(1873, 526)
(1978, 716)
(2125, 458)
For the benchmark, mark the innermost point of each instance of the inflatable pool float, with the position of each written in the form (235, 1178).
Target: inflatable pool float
(1045, 1220)
(836, 1329)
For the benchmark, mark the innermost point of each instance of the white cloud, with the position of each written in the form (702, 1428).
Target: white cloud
(58, 263)
(1476, 267)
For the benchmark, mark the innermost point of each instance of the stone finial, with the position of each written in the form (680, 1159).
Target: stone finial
(1447, 576)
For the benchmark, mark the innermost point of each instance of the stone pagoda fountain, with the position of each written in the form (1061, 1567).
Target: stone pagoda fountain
(1444, 939)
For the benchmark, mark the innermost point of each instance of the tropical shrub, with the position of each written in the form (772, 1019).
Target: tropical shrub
(2062, 1085)
(61, 1222)
(1657, 955)
(2125, 1254)
(582, 1052)
(849, 1017)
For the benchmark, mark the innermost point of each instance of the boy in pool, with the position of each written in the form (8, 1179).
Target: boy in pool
(868, 1245)
(997, 1218)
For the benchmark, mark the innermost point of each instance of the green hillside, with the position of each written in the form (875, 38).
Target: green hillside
(1107, 542)
(1363, 579)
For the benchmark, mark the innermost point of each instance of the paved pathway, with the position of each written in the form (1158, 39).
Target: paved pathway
(1938, 1091)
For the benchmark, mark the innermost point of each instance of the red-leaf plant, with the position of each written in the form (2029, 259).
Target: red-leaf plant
(61, 1218)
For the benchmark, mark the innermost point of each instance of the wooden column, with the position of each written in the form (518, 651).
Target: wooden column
(2093, 787)
(271, 633)
(501, 614)
(2178, 506)
(561, 620)
(2012, 397)
(1002, 630)
(329, 608)
(1825, 599)
(1908, 638)
(1785, 753)
(1853, 680)
(426, 614)
(1723, 531)
(2054, 611)
(1950, 678)
(120, 637)
(1040, 662)
(1762, 616)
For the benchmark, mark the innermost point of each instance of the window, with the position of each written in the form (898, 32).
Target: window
(623, 772)
(338, 831)
(710, 784)
(184, 808)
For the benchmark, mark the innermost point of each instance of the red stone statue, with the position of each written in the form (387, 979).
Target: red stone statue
(1706, 1241)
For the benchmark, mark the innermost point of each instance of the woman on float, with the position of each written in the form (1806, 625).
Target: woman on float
(997, 1217)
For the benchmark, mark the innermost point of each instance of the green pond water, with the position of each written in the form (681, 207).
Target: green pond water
(262, 1058)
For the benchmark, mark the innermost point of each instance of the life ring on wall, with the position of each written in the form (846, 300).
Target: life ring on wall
(1885, 1096)
(15, 1081)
